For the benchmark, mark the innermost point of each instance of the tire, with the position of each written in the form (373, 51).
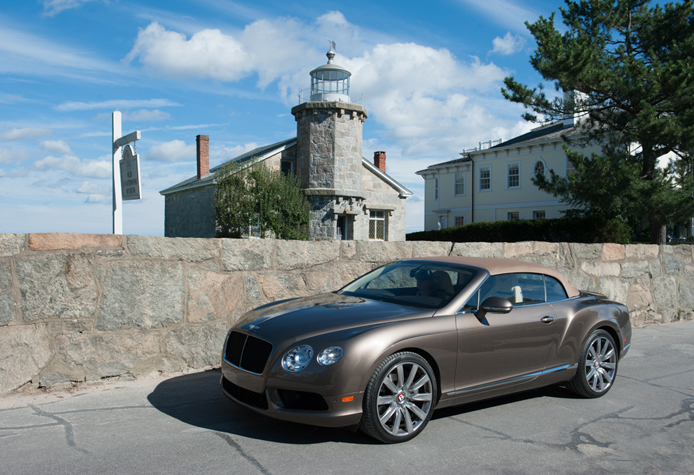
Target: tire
(399, 399)
(597, 366)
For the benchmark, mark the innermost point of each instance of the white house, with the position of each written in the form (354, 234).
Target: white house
(493, 182)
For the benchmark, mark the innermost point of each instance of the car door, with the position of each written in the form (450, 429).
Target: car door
(505, 348)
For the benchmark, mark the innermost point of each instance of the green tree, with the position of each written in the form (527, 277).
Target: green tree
(251, 198)
(627, 69)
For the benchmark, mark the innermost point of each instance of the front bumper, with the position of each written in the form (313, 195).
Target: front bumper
(288, 402)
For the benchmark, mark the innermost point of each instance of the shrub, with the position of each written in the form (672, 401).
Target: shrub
(568, 229)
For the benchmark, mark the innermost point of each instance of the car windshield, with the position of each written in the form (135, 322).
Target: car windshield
(413, 283)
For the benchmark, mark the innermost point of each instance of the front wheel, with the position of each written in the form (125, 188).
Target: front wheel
(399, 399)
(597, 366)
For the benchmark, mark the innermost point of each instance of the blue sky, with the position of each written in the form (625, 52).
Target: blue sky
(430, 75)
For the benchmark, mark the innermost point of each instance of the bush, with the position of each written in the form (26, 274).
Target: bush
(574, 229)
(253, 200)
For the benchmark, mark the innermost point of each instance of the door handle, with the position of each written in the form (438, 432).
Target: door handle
(547, 319)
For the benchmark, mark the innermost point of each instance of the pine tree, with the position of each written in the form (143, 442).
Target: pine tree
(627, 69)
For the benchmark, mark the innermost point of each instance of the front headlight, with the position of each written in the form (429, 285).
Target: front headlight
(297, 358)
(330, 355)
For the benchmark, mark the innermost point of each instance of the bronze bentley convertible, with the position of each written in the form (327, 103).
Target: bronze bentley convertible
(387, 349)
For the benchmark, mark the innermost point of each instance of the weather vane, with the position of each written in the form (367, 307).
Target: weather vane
(332, 45)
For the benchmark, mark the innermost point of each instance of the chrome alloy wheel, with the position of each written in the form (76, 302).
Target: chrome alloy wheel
(600, 364)
(404, 399)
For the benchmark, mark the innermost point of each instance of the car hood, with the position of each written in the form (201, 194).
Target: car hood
(324, 313)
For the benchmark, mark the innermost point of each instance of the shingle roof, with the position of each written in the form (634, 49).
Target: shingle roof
(542, 134)
(260, 153)
(549, 133)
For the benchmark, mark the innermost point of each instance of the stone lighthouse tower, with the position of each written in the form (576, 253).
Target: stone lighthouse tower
(329, 155)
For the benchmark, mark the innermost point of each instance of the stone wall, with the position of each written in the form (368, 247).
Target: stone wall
(80, 307)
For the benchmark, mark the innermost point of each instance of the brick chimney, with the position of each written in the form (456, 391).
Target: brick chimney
(380, 160)
(203, 149)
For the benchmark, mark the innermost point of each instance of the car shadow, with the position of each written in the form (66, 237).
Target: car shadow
(196, 399)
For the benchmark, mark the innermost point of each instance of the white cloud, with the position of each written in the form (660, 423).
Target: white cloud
(86, 168)
(269, 48)
(96, 193)
(53, 7)
(223, 154)
(507, 13)
(56, 146)
(115, 104)
(97, 199)
(15, 155)
(208, 53)
(89, 187)
(509, 44)
(146, 115)
(430, 102)
(173, 151)
(24, 134)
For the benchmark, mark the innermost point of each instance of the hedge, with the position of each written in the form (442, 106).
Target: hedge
(584, 230)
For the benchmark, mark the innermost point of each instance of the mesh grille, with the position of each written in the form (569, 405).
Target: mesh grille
(246, 396)
(248, 352)
(255, 355)
(235, 347)
(302, 400)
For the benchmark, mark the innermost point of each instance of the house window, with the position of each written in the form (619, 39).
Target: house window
(460, 183)
(485, 178)
(436, 188)
(460, 220)
(513, 216)
(377, 226)
(287, 167)
(344, 228)
(570, 168)
(538, 215)
(539, 168)
(513, 175)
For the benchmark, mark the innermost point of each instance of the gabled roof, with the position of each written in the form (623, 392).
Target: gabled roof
(263, 153)
(549, 133)
(260, 153)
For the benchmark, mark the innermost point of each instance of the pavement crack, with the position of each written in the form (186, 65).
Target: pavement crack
(249, 458)
(69, 433)
(687, 409)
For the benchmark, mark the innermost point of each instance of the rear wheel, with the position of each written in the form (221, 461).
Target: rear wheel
(597, 366)
(399, 399)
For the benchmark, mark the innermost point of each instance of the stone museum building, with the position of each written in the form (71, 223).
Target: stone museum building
(351, 198)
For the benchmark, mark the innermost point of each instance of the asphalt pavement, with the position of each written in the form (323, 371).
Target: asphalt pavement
(183, 425)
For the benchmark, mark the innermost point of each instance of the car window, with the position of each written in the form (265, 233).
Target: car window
(555, 291)
(519, 289)
(415, 283)
(532, 289)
